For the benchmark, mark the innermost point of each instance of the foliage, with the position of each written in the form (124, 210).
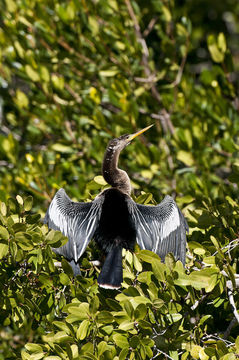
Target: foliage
(73, 74)
(72, 318)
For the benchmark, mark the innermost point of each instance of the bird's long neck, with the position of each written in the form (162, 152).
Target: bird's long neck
(114, 176)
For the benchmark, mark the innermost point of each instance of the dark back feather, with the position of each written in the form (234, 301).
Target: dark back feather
(115, 224)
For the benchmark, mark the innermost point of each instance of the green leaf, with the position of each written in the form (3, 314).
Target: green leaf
(4, 233)
(19, 199)
(3, 208)
(82, 330)
(217, 53)
(135, 301)
(62, 148)
(166, 13)
(158, 303)
(105, 317)
(140, 312)
(147, 256)
(33, 219)
(56, 239)
(80, 312)
(174, 317)
(23, 240)
(94, 305)
(64, 279)
(67, 267)
(62, 337)
(28, 203)
(128, 308)
(108, 73)
(11, 6)
(126, 325)
(137, 264)
(57, 81)
(3, 248)
(222, 42)
(186, 157)
(123, 354)
(158, 269)
(145, 277)
(134, 341)
(100, 180)
(113, 304)
(228, 356)
(121, 341)
(12, 204)
(21, 99)
(33, 75)
(62, 326)
(33, 347)
(102, 346)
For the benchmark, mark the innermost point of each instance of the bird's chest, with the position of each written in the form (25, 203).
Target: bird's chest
(115, 225)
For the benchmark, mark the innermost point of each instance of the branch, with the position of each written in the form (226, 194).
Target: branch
(163, 353)
(216, 338)
(230, 326)
(197, 302)
(70, 132)
(165, 117)
(233, 305)
(152, 78)
(181, 68)
(230, 286)
(150, 26)
(73, 93)
(232, 245)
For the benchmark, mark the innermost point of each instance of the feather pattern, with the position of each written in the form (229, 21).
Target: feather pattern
(161, 229)
(76, 220)
(115, 221)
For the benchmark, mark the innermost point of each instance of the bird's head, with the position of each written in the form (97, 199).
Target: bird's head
(121, 142)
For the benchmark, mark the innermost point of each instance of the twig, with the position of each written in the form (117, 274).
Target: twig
(67, 47)
(73, 93)
(6, 163)
(6, 131)
(228, 330)
(181, 67)
(150, 79)
(197, 302)
(216, 338)
(233, 305)
(163, 353)
(150, 26)
(229, 246)
(110, 107)
(70, 132)
(230, 284)
(165, 119)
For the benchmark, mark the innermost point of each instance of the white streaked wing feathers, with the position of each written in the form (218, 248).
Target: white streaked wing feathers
(77, 221)
(161, 229)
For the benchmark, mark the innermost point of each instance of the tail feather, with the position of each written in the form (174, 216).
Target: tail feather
(75, 267)
(111, 275)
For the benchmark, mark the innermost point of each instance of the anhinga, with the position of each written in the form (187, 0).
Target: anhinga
(115, 221)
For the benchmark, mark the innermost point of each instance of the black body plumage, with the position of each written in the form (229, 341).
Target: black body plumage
(115, 225)
(115, 221)
(115, 231)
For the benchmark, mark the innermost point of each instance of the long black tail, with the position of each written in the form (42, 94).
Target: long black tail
(111, 275)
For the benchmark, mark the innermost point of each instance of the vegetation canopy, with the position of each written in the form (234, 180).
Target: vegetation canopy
(73, 75)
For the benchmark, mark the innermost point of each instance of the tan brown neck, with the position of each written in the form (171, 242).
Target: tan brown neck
(114, 176)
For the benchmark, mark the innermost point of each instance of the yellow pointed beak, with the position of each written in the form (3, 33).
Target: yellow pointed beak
(133, 136)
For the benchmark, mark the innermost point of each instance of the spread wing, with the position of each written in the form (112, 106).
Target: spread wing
(76, 220)
(161, 229)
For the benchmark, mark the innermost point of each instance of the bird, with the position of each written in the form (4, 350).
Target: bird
(115, 221)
